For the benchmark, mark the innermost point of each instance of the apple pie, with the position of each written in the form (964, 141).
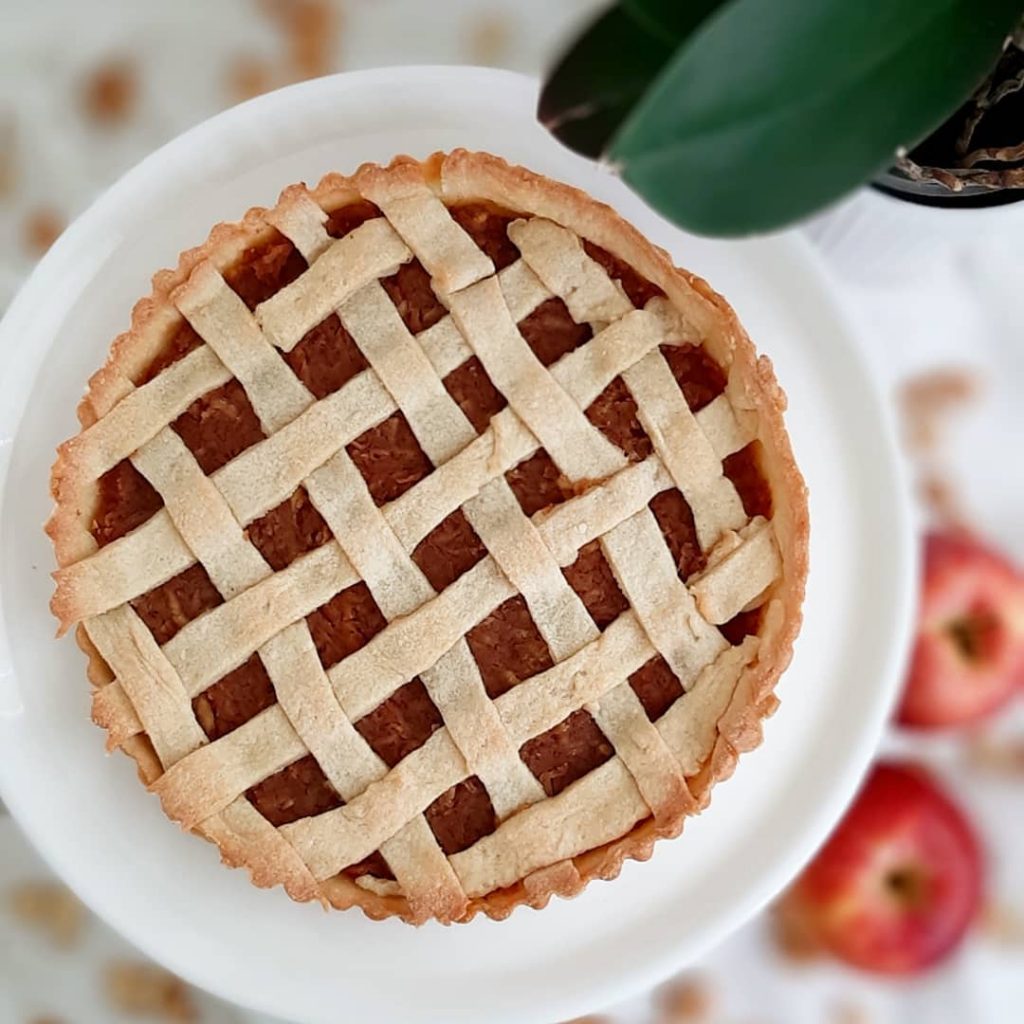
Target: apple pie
(436, 544)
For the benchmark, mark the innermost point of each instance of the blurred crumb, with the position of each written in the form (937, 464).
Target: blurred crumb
(942, 498)
(110, 91)
(927, 399)
(8, 141)
(589, 1019)
(310, 29)
(49, 908)
(794, 940)
(997, 755)
(45, 1020)
(1003, 925)
(41, 228)
(849, 1013)
(147, 990)
(687, 1000)
(488, 38)
(249, 76)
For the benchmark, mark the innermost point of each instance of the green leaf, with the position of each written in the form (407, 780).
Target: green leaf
(672, 20)
(774, 108)
(609, 68)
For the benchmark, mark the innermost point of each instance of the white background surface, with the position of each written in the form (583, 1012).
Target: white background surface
(954, 306)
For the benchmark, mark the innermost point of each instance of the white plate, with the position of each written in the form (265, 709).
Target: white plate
(166, 891)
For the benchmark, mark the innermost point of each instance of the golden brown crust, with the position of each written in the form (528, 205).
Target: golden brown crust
(462, 175)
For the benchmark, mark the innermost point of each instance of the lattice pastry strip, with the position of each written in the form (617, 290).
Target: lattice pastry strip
(216, 774)
(414, 643)
(439, 424)
(341, 496)
(682, 446)
(740, 568)
(153, 688)
(683, 726)
(444, 248)
(444, 344)
(145, 411)
(541, 702)
(647, 575)
(642, 749)
(553, 830)
(373, 250)
(302, 220)
(222, 320)
(472, 720)
(200, 514)
(246, 838)
(519, 551)
(557, 257)
(553, 417)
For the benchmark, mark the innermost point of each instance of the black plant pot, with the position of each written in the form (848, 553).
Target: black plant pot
(999, 126)
(895, 183)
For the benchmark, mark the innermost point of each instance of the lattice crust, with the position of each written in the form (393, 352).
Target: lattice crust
(657, 771)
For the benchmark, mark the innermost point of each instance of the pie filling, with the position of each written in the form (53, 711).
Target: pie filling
(506, 644)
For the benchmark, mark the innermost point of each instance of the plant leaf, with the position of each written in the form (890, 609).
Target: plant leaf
(672, 20)
(771, 110)
(602, 77)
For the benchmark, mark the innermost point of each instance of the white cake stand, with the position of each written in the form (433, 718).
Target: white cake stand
(165, 890)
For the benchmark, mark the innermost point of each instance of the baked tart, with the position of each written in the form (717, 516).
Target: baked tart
(435, 543)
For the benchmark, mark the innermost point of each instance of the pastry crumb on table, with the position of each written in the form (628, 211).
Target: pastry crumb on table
(109, 92)
(50, 909)
(145, 990)
(689, 999)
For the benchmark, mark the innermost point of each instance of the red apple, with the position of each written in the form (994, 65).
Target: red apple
(969, 656)
(899, 881)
